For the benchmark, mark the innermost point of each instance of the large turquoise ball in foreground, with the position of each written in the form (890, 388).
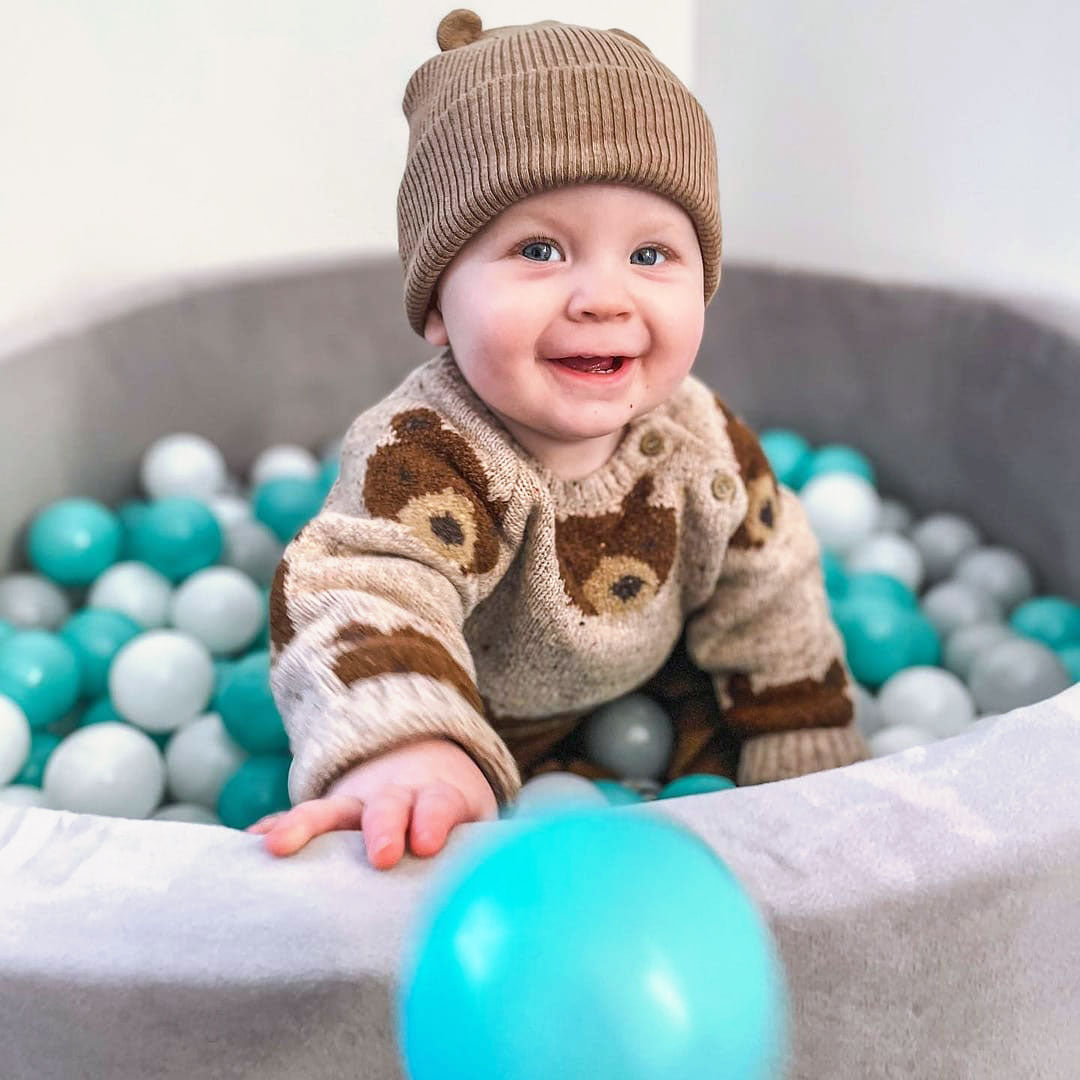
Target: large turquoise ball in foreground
(591, 945)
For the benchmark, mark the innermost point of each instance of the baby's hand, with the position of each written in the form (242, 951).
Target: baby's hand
(434, 783)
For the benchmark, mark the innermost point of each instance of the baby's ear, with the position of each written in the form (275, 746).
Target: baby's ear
(434, 328)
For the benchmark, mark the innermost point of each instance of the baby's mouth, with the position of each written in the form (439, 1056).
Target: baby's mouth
(594, 364)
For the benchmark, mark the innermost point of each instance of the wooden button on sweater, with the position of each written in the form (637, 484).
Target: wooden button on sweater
(723, 487)
(651, 443)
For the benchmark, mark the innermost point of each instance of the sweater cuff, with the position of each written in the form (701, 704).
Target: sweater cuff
(335, 735)
(788, 754)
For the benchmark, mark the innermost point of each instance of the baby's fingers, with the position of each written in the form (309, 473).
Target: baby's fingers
(439, 807)
(293, 829)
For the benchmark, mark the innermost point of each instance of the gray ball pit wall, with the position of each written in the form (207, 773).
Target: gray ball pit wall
(926, 905)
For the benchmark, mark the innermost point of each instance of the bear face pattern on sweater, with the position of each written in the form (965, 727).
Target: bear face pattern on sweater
(431, 481)
(614, 564)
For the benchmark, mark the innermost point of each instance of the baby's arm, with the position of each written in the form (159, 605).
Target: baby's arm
(367, 610)
(768, 640)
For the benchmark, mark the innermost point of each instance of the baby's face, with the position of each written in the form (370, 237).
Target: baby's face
(592, 269)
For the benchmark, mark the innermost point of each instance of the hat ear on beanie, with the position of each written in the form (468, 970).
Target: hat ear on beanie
(501, 114)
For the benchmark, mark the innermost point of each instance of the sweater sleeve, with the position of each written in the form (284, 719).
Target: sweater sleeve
(367, 608)
(767, 639)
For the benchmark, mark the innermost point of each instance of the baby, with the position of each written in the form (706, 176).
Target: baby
(552, 512)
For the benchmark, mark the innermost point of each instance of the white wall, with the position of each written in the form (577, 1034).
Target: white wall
(931, 142)
(140, 140)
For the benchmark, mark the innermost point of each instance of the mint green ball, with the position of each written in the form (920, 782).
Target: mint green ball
(877, 586)
(839, 458)
(1070, 657)
(39, 671)
(882, 638)
(789, 456)
(72, 541)
(42, 744)
(835, 574)
(285, 505)
(97, 636)
(328, 474)
(695, 784)
(618, 794)
(1053, 620)
(259, 787)
(177, 536)
(247, 707)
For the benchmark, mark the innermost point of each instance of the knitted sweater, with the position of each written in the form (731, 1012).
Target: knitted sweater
(454, 587)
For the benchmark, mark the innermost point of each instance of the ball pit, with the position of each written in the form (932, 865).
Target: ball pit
(935, 880)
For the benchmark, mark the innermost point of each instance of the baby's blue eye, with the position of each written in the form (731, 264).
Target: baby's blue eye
(538, 245)
(657, 254)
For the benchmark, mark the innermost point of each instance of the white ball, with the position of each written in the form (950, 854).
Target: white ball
(1000, 572)
(893, 740)
(14, 740)
(221, 606)
(32, 602)
(556, 791)
(928, 698)
(161, 680)
(135, 589)
(285, 459)
(895, 517)
(843, 510)
(229, 509)
(943, 539)
(111, 769)
(952, 604)
(888, 553)
(967, 643)
(254, 549)
(182, 465)
(199, 759)
(23, 795)
(189, 812)
(868, 718)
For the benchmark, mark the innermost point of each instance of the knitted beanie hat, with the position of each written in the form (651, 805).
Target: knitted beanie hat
(509, 112)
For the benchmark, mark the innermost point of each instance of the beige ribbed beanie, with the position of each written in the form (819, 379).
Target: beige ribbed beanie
(505, 113)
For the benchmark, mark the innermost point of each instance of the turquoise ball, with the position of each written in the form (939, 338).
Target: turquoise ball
(287, 504)
(695, 784)
(1070, 657)
(7, 631)
(247, 707)
(871, 585)
(259, 787)
(97, 636)
(42, 744)
(882, 638)
(789, 456)
(839, 458)
(72, 541)
(618, 794)
(328, 474)
(835, 574)
(177, 536)
(130, 514)
(573, 946)
(1053, 620)
(39, 671)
